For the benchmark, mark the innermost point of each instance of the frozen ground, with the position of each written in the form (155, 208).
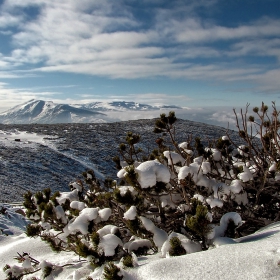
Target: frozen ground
(254, 257)
(32, 161)
(8, 138)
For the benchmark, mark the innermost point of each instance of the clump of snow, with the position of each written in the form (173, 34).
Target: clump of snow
(104, 214)
(121, 173)
(246, 175)
(131, 213)
(216, 154)
(136, 243)
(184, 145)
(241, 150)
(71, 196)
(230, 216)
(160, 235)
(236, 186)
(108, 229)
(219, 231)
(27, 262)
(214, 202)
(77, 186)
(77, 205)
(147, 223)
(198, 160)
(108, 243)
(221, 190)
(199, 197)
(173, 158)
(82, 221)
(273, 167)
(206, 167)
(17, 271)
(55, 269)
(241, 198)
(193, 169)
(170, 200)
(60, 214)
(123, 190)
(150, 172)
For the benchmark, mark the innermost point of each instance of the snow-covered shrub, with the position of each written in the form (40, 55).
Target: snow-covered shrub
(177, 200)
(176, 247)
(112, 272)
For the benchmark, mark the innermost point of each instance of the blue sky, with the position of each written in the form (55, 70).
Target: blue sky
(195, 53)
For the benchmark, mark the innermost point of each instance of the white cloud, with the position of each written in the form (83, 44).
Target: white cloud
(257, 47)
(224, 117)
(8, 75)
(7, 20)
(267, 82)
(193, 31)
(158, 98)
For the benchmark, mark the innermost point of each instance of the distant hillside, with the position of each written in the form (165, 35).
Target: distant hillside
(66, 150)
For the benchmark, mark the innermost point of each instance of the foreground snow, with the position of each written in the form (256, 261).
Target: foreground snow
(256, 257)
(253, 257)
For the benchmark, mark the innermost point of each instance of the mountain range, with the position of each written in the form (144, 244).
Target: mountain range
(48, 112)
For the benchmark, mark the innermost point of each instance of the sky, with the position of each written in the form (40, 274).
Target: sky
(195, 53)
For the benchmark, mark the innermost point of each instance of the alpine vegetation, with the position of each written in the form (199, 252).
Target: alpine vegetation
(180, 199)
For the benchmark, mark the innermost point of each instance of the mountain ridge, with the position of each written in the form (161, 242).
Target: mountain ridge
(39, 111)
(48, 112)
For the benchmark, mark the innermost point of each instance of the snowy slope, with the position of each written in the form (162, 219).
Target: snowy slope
(254, 257)
(35, 162)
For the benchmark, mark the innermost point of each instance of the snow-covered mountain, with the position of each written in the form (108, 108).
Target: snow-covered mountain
(39, 111)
